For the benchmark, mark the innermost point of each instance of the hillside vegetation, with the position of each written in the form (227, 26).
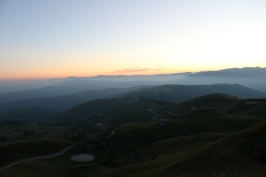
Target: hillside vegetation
(180, 93)
(116, 111)
(26, 115)
(139, 135)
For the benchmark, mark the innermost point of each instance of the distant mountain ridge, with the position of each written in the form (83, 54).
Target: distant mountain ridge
(63, 102)
(26, 115)
(134, 105)
(168, 93)
(233, 72)
(249, 77)
(179, 93)
(71, 86)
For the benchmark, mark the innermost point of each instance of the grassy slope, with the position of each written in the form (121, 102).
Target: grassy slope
(15, 132)
(215, 101)
(179, 93)
(239, 154)
(27, 115)
(254, 110)
(110, 112)
(242, 150)
(221, 102)
(205, 141)
(18, 150)
(130, 107)
(141, 135)
(211, 120)
(170, 93)
(133, 112)
(86, 110)
(159, 154)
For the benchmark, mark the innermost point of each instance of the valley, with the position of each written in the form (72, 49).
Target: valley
(169, 130)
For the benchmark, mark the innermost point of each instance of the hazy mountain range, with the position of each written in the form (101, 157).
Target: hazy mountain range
(164, 93)
(60, 103)
(63, 94)
(250, 77)
(160, 127)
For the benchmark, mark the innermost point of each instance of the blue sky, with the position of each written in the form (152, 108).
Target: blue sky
(61, 38)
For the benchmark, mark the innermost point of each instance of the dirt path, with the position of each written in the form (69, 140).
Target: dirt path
(173, 114)
(152, 112)
(40, 157)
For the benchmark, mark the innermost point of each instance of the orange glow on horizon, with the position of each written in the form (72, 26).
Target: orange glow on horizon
(41, 75)
(44, 76)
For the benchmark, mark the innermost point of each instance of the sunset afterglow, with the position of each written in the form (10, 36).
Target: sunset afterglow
(55, 39)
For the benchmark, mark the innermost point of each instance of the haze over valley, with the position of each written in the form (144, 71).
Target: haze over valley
(118, 122)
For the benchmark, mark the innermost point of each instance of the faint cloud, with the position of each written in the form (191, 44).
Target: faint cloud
(141, 70)
(132, 70)
(135, 67)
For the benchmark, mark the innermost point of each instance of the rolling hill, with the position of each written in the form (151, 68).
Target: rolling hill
(252, 77)
(143, 105)
(215, 101)
(180, 93)
(220, 137)
(63, 102)
(26, 115)
(174, 149)
(249, 107)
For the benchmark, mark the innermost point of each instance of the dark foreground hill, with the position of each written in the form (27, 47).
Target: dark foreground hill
(250, 107)
(133, 108)
(212, 135)
(205, 142)
(215, 101)
(167, 93)
(136, 104)
(211, 154)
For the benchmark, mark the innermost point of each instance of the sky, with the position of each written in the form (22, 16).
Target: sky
(62, 38)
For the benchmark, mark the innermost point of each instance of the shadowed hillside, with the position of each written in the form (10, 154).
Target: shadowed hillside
(63, 102)
(26, 115)
(143, 106)
(250, 107)
(212, 135)
(215, 101)
(180, 93)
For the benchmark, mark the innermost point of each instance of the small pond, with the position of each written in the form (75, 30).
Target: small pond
(83, 158)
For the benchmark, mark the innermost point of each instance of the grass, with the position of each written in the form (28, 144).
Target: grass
(19, 150)
(251, 110)
(85, 110)
(15, 132)
(203, 142)
(214, 101)
(205, 154)
(80, 120)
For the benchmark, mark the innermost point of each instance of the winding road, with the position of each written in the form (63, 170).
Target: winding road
(39, 157)
(152, 112)
(173, 114)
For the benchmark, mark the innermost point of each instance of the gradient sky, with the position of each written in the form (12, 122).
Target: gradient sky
(61, 38)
